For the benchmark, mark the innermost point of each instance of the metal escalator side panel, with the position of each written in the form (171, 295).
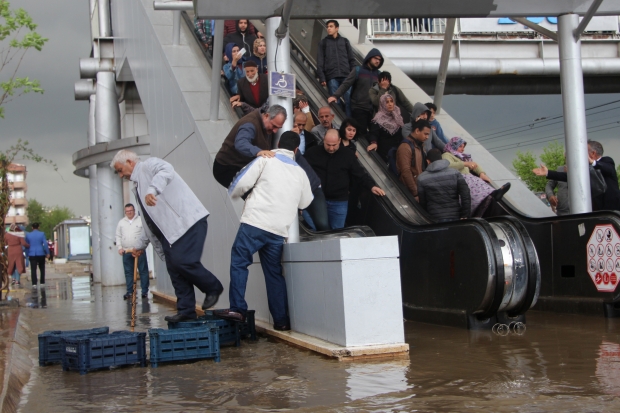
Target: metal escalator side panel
(496, 275)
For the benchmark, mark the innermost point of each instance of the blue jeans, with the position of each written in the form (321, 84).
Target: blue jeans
(316, 213)
(337, 213)
(248, 241)
(16, 275)
(143, 270)
(333, 85)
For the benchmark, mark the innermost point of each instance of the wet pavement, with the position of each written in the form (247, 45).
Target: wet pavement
(563, 363)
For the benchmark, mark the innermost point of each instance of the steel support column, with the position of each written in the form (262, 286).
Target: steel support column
(109, 186)
(282, 64)
(363, 30)
(573, 103)
(176, 27)
(218, 46)
(94, 196)
(105, 23)
(443, 64)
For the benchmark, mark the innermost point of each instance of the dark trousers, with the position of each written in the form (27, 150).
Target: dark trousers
(37, 261)
(248, 241)
(143, 270)
(224, 174)
(186, 270)
(317, 211)
(363, 118)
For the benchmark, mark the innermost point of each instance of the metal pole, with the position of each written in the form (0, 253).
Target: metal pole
(282, 64)
(109, 187)
(218, 46)
(363, 31)
(94, 196)
(176, 27)
(443, 64)
(571, 76)
(105, 23)
(586, 18)
(536, 27)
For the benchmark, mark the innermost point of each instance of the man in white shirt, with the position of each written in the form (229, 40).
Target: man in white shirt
(128, 233)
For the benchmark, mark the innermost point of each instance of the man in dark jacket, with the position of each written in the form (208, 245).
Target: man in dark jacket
(254, 87)
(439, 190)
(334, 62)
(242, 37)
(385, 86)
(337, 166)
(361, 79)
(610, 200)
(250, 137)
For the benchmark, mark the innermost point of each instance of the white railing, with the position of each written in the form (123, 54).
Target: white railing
(406, 27)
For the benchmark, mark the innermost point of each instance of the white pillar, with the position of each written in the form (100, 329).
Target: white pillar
(575, 131)
(94, 196)
(109, 186)
(218, 45)
(283, 64)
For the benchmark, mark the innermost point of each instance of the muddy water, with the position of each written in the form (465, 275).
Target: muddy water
(562, 363)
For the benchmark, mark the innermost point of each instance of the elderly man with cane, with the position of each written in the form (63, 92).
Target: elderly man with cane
(176, 224)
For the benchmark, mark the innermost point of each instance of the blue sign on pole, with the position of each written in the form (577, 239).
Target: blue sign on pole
(282, 84)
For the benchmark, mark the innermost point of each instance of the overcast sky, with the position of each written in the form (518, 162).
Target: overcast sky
(55, 124)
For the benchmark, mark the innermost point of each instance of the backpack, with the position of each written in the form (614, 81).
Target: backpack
(392, 156)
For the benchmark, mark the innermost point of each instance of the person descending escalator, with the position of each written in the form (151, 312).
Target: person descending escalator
(242, 37)
(442, 190)
(421, 112)
(385, 128)
(483, 195)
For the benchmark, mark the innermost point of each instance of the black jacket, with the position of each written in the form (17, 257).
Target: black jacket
(334, 59)
(337, 171)
(361, 80)
(245, 92)
(243, 40)
(610, 200)
(311, 140)
(598, 186)
(314, 179)
(439, 189)
(384, 139)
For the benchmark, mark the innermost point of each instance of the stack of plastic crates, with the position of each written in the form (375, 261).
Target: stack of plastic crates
(181, 344)
(51, 343)
(95, 352)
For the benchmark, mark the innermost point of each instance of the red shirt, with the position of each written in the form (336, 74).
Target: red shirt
(255, 90)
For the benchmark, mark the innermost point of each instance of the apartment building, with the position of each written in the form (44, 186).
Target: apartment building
(17, 182)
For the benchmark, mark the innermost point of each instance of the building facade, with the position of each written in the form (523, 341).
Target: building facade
(17, 182)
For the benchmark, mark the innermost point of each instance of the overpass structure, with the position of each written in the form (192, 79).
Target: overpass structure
(151, 90)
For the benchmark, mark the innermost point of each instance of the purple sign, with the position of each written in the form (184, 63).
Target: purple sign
(282, 84)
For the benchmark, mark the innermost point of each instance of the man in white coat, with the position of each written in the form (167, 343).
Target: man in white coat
(176, 223)
(274, 189)
(128, 233)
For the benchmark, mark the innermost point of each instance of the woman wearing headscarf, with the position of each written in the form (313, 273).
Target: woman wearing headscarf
(15, 239)
(233, 69)
(482, 194)
(385, 127)
(260, 55)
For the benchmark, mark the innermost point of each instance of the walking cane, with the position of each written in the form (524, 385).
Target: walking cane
(133, 296)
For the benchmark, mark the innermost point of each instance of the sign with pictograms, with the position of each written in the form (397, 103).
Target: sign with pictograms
(282, 84)
(604, 258)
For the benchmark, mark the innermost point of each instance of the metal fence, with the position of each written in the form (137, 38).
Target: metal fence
(406, 27)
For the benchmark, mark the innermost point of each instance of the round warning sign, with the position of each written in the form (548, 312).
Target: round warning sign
(603, 251)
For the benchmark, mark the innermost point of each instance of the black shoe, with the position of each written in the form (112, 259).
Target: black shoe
(178, 318)
(226, 314)
(145, 295)
(210, 300)
(282, 327)
(127, 296)
(499, 193)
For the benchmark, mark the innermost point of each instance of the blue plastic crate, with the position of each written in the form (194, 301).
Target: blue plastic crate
(116, 349)
(246, 328)
(51, 345)
(184, 344)
(228, 331)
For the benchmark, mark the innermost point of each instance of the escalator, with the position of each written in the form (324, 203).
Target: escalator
(560, 242)
(472, 273)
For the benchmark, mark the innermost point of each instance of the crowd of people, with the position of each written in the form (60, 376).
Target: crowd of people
(27, 249)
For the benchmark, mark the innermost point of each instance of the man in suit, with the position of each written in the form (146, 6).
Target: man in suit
(308, 139)
(610, 200)
(253, 89)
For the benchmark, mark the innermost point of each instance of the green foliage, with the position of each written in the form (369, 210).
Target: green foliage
(552, 157)
(13, 47)
(618, 172)
(47, 217)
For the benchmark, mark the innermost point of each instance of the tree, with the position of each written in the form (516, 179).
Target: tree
(47, 217)
(14, 45)
(21, 151)
(552, 156)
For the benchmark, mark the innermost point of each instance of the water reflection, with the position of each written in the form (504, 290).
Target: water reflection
(608, 367)
(367, 379)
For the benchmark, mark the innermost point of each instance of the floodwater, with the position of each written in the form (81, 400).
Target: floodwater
(563, 363)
